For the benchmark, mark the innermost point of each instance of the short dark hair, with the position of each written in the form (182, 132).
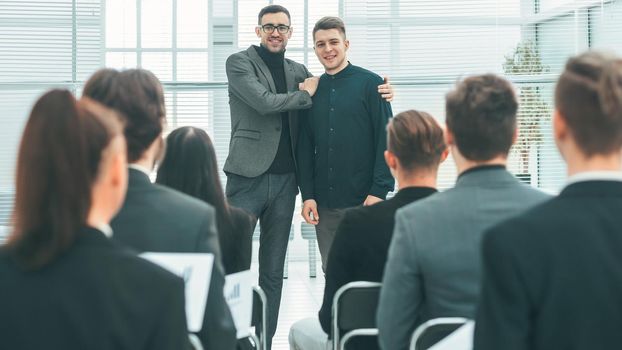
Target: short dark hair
(329, 22)
(481, 114)
(273, 9)
(589, 98)
(58, 162)
(138, 95)
(416, 139)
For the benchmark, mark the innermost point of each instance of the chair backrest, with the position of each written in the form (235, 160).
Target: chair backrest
(307, 231)
(434, 330)
(354, 307)
(260, 315)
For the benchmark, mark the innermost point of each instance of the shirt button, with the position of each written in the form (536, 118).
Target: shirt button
(331, 169)
(332, 109)
(330, 188)
(333, 90)
(331, 129)
(330, 150)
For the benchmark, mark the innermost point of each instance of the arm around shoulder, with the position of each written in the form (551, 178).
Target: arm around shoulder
(245, 84)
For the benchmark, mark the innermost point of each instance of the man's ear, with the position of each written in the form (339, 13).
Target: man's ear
(390, 159)
(257, 29)
(449, 137)
(444, 155)
(560, 127)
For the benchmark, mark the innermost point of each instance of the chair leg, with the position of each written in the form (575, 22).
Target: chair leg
(312, 257)
(285, 266)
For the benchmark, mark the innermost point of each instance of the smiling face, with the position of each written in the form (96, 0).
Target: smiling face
(330, 47)
(275, 42)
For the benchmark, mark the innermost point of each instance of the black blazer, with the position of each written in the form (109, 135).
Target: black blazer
(155, 218)
(359, 251)
(97, 295)
(236, 240)
(553, 275)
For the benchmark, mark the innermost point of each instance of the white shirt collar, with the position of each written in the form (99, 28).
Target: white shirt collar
(595, 176)
(140, 168)
(105, 229)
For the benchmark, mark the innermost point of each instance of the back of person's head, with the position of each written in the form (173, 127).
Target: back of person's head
(481, 116)
(416, 139)
(190, 166)
(588, 97)
(138, 95)
(58, 163)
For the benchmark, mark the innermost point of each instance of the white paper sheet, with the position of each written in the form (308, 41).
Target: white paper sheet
(239, 296)
(196, 270)
(460, 339)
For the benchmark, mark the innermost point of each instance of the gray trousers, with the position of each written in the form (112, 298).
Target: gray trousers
(325, 230)
(271, 198)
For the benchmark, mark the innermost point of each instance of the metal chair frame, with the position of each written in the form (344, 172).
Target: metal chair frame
(338, 344)
(262, 341)
(424, 327)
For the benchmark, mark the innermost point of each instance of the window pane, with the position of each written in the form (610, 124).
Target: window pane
(192, 66)
(192, 23)
(247, 21)
(120, 23)
(157, 23)
(121, 60)
(160, 63)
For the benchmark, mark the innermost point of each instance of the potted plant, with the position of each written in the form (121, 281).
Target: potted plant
(525, 60)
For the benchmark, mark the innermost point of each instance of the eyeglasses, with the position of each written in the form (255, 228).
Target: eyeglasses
(269, 28)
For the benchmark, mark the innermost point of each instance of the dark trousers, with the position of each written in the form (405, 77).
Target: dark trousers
(271, 198)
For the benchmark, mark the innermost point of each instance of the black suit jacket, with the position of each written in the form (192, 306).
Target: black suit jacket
(155, 218)
(236, 240)
(97, 295)
(553, 276)
(359, 251)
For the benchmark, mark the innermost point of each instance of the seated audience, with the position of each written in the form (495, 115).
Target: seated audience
(155, 218)
(553, 275)
(415, 149)
(433, 266)
(65, 283)
(190, 167)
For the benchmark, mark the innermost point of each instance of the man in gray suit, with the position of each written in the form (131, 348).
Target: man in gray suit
(266, 91)
(433, 267)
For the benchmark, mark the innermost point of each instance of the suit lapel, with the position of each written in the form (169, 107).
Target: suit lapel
(262, 67)
(289, 76)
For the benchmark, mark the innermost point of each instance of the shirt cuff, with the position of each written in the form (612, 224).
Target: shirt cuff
(378, 191)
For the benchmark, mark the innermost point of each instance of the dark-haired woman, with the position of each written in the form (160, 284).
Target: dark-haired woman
(190, 166)
(63, 283)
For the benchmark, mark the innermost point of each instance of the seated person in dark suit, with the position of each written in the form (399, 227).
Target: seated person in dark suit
(190, 167)
(155, 218)
(553, 275)
(415, 149)
(63, 283)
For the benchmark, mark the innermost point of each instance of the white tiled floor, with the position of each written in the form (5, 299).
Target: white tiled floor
(302, 297)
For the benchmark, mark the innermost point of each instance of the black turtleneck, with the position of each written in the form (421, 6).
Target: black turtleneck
(283, 161)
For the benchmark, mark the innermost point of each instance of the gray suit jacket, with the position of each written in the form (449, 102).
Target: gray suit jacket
(433, 268)
(256, 111)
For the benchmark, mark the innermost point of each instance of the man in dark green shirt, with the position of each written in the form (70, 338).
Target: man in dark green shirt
(342, 139)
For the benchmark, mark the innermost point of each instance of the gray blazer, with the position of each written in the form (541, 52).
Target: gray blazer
(433, 267)
(255, 111)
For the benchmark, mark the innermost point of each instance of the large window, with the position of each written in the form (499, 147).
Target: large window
(423, 45)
